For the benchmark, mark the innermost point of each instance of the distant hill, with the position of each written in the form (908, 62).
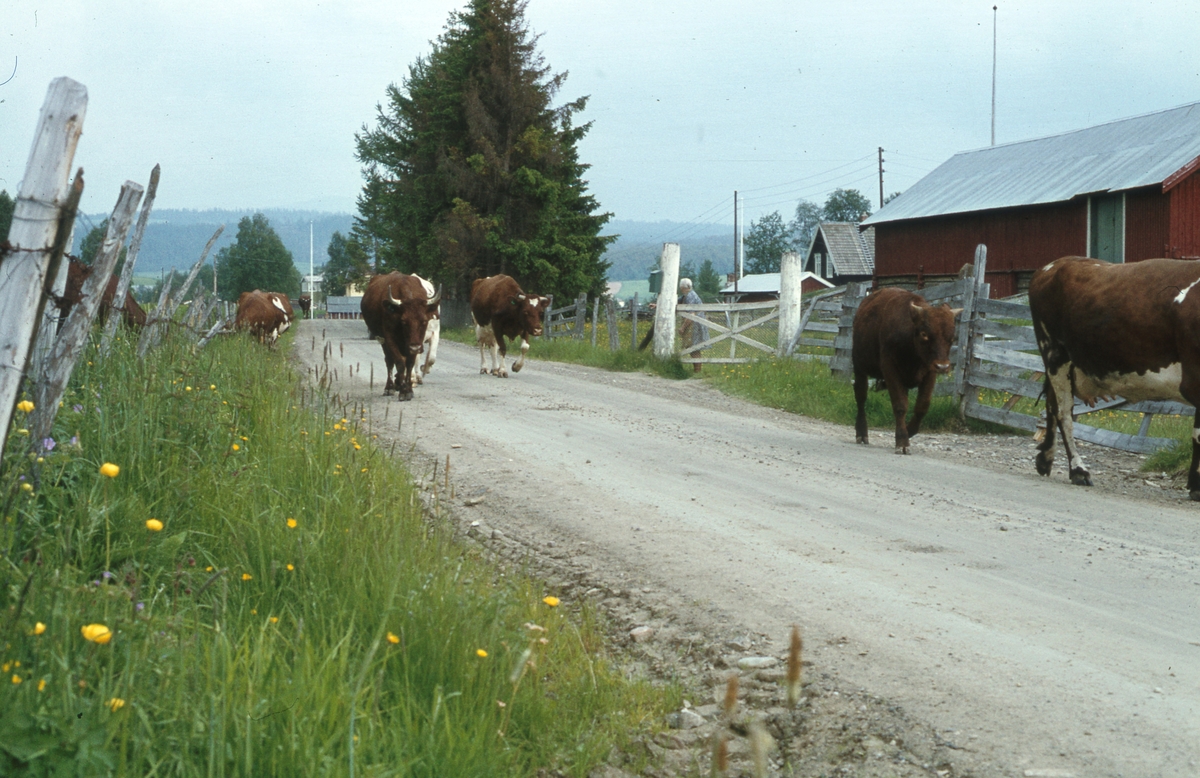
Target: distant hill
(639, 246)
(175, 238)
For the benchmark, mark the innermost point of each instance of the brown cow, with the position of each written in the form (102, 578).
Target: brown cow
(1115, 330)
(904, 341)
(260, 313)
(501, 310)
(77, 273)
(305, 303)
(282, 302)
(396, 311)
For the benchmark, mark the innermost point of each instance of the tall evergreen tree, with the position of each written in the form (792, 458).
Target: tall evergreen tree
(256, 260)
(348, 264)
(471, 171)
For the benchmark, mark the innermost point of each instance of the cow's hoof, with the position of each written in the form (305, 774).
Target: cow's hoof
(861, 439)
(483, 371)
(1195, 495)
(1081, 477)
(502, 374)
(1042, 465)
(517, 367)
(387, 392)
(901, 449)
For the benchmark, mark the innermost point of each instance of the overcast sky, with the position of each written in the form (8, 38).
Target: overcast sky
(255, 103)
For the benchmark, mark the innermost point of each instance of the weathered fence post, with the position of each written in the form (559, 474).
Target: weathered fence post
(51, 315)
(580, 316)
(634, 316)
(595, 319)
(610, 310)
(546, 318)
(664, 313)
(73, 337)
(965, 321)
(117, 309)
(34, 233)
(842, 363)
(790, 291)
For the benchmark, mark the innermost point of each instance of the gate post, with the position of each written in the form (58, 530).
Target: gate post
(966, 328)
(664, 314)
(790, 292)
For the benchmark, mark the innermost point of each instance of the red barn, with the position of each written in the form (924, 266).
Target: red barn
(1122, 192)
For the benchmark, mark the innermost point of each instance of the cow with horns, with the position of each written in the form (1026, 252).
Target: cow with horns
(905, 342)
(433, 332)
(397, 310)
(501, 310)
(1109, 330)
(263, 315)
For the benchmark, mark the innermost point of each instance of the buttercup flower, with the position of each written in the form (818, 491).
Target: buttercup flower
(38, 628)
(116, 703)
(236, 447)
(16, 678)
(392, 638)
(479, 652)
(246, 576)
(154, 525)
(41, 684)
(290, 567)
(292, 523)
(551, 601)
(110, 470)
(25, 406)
(96, 633)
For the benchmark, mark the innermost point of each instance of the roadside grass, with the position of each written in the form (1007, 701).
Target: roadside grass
(296, 614)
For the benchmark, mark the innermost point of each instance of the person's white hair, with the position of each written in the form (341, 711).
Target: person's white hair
(685, 283)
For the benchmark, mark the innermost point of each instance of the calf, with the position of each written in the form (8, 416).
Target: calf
(1109, 330)
(261, 315)
(433, 332)
(501, 310)
(396, 310)
(904, 341)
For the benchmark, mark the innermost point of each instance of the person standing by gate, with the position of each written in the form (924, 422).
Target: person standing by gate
(691, 332)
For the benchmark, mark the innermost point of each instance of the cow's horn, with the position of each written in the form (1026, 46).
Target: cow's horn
(520, 297)
(395, 302)
(437, 298)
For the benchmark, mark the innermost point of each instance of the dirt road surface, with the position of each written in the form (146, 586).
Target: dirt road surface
(1035, 627)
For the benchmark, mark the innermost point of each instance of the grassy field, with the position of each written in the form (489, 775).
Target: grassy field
(257, 592)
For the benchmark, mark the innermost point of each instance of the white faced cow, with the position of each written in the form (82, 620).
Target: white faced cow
(501, 310)
(1104, 330)
(433, 331)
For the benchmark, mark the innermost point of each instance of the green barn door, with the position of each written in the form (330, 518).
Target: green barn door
(1107, 240)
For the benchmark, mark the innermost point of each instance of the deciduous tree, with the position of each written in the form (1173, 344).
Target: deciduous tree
(348, 264)
(256, 260)
(471, 170)
(846, 205)
(765, 243)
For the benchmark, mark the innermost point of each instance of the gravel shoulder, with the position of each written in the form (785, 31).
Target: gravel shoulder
(961, 616)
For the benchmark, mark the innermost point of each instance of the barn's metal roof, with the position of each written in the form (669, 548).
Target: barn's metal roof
(851, 251)
(765, 283)
(1112, 157)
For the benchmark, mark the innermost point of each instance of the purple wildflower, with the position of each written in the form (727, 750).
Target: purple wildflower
(107, 574)
(141, 605)
(48, 444)
(77, 408)
(74, 440)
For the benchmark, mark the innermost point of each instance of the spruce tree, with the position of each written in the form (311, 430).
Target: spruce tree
(471, 171)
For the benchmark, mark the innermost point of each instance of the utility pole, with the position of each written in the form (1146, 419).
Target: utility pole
(881, 176)
(993, 75)
(311, 293)
(737, 244)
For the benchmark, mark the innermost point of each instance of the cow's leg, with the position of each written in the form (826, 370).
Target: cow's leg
(1189, 388)
(924, 398)
(501, 352)
(433, 334)
(861, 385)
(520, 363)
(1045, 456)
(404, 369)
(1060, 380)
(899, 395)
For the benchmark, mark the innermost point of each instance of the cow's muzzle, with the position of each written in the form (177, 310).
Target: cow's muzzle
(942, 368)
(537, 333)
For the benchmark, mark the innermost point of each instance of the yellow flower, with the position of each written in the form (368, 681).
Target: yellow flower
(41, 684)
(187, 388)
(254, 611)
(246, 576)
(16, 678)
(393, 638)
(274, 619)
(290, 567)
(245, 438)
(154, 525)
(38, 628)
(213, 387)
(236, 447)
(96, 633)
(479, 652)
(208, 569)
(110, 470)
(23, 432)
(25, 406)
(551, 601)
(292, 523)
(27, 487)
(116, 703)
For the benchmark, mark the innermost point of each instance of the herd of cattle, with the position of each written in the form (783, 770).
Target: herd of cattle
(1103, 330)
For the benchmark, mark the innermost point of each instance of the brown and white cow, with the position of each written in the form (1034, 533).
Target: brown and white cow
(433, 332)
(396, 310)
(1108, 330)
(284, 304)
(501, 310)
(262, 315)
(77, 273)
(901, 339)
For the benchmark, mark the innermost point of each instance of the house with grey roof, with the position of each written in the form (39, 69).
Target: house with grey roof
(840, 253)
(1123, 191)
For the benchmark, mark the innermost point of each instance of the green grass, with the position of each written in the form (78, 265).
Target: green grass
(348, 644)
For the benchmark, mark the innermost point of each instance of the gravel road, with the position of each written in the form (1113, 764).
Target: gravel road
(1035, 627)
